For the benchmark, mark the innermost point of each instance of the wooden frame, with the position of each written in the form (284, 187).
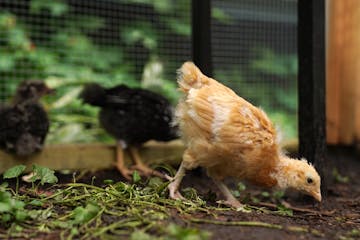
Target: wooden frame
(92, 156)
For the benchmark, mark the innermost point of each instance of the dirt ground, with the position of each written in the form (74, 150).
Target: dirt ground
(336, 217)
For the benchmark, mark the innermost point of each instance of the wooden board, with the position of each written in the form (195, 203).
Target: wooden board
(92, 156)
(343, 76)
(101, 156)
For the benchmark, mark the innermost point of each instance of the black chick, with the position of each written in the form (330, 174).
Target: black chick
(24, 123)
(132, 116)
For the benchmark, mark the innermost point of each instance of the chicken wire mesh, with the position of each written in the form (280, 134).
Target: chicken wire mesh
(71, 42)
(141, 43)
(254, 47)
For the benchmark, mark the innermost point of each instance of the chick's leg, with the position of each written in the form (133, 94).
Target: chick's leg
(142, 167)
(230, 200)
(174, 185)
(120, 165)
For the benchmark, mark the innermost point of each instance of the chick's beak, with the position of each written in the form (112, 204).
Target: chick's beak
(316, 195)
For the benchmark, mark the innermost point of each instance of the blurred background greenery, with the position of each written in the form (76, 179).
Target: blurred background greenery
(139, 43)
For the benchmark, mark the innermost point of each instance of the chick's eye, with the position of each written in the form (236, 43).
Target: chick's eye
(309, 180)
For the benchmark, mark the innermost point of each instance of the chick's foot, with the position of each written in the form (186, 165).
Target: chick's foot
(125, 172)
(147, 171)
(174, 192)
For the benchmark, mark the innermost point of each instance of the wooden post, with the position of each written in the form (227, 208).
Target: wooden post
(201, 35)
(311, 82)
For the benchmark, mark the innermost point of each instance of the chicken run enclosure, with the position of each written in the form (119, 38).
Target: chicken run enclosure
(250, 45)
(270, 52)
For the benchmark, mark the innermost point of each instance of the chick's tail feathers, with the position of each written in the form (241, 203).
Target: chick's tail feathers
(190, 76)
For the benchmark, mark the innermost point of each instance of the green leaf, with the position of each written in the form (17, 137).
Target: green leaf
(137, 235)
(178, 232)
(5, 207)
(83, 215)
(241, 186)
(36, 202)
(236, 193)
(136, 177)
(56, 7)
(282, 210)
(108, 181)
(6, 217)
(20, 215)
(14, 172)
(141, 32)
(44, 174)
(265, 194)
(221, 16)
(7, 62)
(278, 194)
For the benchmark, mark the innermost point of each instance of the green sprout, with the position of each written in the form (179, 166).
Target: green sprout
(15, 172)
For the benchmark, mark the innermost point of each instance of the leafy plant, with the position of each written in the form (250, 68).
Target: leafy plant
(14, 172)
(83, 215)
(42, 175)
(11, 209)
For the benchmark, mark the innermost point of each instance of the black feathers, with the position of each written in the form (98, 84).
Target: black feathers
(24, 124)
(131, 114)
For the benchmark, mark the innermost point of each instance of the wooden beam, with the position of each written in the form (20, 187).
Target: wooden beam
(311, 83)
(201, 35)
(101, 156)
(93, 156)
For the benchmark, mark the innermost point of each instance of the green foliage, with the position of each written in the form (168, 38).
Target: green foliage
(282, 210)
(66, 55)
(180, 233)
(136, 177)
(44, 174)
(11, 209)
(14, 172)
(174, 232)
(141, 32)
(55, 7)
(83, 215)
(338, 177)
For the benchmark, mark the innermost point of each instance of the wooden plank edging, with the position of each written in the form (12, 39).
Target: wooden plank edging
(101, 156)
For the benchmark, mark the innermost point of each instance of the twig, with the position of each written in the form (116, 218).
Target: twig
(297, 209)
(260, 224)
(238, 223)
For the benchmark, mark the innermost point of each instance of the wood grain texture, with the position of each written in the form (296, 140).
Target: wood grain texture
(102, 156)
(343, 75)
(92, 156)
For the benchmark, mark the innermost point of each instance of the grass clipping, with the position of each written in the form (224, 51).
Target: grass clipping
(84, 211)
(141, 210)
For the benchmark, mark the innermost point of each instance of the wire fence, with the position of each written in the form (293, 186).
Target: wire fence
(141, 43)
(254, 46)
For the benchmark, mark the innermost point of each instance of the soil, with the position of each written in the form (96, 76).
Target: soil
(336, 217)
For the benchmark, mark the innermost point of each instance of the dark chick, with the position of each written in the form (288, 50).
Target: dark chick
(132, 116)
(24, 123)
